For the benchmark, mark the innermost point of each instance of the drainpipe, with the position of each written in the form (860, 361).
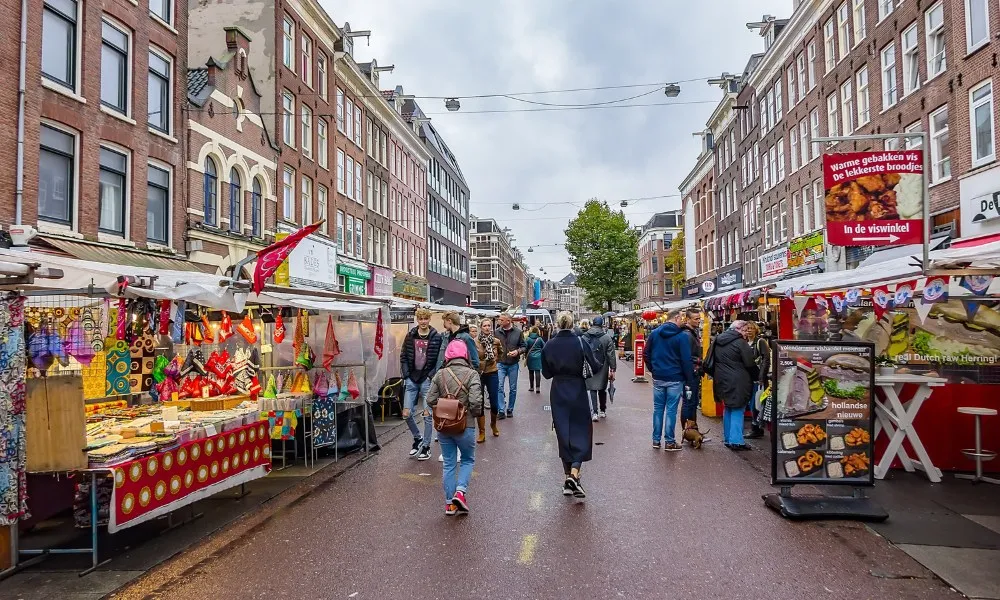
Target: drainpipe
(21, 88)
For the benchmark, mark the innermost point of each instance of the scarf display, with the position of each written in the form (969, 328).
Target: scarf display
(13, 483)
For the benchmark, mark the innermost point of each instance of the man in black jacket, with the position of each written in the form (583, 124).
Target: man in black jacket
(512, 340)
(418, 363)
(692, 327)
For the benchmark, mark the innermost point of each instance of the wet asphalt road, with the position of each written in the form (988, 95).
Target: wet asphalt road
(655, 524)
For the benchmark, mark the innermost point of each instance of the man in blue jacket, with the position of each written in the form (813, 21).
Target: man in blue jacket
(668, 358)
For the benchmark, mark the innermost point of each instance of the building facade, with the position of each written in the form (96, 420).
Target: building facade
(698, 197)
(491, 260)
(232, 194)
(103, 162)
(657, 266)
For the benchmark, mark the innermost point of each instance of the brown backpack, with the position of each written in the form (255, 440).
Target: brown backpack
(450, 412)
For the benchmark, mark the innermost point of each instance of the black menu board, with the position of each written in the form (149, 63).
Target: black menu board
(823, 430)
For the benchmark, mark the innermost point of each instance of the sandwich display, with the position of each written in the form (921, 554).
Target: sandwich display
(948, 334)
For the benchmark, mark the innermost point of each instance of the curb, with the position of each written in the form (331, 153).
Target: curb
(153, 583)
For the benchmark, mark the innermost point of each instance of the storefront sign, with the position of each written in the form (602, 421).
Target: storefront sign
(773, 264)
(823, 394)
(806, 251)
(355, 279)
(731, 280)
(691, 291)
(381, 282)
(708, 286)
(281, 276)
(407, 287)
(638, 348)
(980, 203)
(313, 262)
(874, 198)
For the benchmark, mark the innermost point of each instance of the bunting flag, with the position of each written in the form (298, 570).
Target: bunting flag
(936, 289)
(881, 300)
(271, 257)
(800, 303)
(853, 296)
(379, 333)
(822, 304)
(839, 303)
(971, 308)
(923, 308)
(904, 293)
(977, 284)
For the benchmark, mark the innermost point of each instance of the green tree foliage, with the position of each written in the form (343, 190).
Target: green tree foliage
(604, 253)
(675, 258)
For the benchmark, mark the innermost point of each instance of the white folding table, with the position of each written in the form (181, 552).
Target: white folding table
(896, 419)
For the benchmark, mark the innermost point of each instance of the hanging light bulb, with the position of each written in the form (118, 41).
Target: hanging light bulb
(516, 206)
(452, 104)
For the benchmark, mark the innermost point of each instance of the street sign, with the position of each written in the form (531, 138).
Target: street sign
(874, 198)
(638, 347)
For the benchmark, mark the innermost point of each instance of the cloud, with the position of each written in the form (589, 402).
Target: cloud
(461, 48)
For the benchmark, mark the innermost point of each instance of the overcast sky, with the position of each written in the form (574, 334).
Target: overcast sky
(463, 48)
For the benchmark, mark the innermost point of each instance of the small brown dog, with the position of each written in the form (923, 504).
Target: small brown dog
(691, 433)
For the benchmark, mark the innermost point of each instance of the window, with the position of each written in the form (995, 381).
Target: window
(800, 64)
(792, 87)
(811, 50)
(803, 142)
(256, 214)
(814, 133)
(340, 171)
(913, 143)
(322, 194)
(235, 208)
(307, 138)
(357, 126)
(847, 107)
(981, 110)
(114, 67)
(59, 55)
(321, 74)
(349, 236)
(348, 118)
(307, 200)
(340, 110)
(806, 210)
(831, 114)
(793, 146)
(162, 9)
(211, 192)
(860, 28)
(864, 103)
(111, 195)
(288, 118)
(288, 43)
(885, 8)
(819, 207)
(936, 60)
(349, 178)
(340, 230)
(783, 219)
(159, 92)
(358, 190)
(940, 154)
(763, 114)
(891, 144)
(157, 204)
(767, 228)
(843, 32)
(889, 93)
(977, 23)
(288, 197)
(829, 45)
(911, 60)
(781, 160)
(307, 51)
(321, 143)
(777, 101)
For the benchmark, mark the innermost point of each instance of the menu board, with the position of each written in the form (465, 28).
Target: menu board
(824, 425)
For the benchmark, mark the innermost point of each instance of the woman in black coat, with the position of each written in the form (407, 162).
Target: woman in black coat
(562, 362)
(735, 373)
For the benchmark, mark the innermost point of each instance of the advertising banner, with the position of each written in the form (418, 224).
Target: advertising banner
(281, 275)
(874, 198)
(823, 402)
(381, 282)
(773, 264)
(638, 347)
(806, 251)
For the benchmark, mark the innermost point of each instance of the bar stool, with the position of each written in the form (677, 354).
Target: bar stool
(978, 454)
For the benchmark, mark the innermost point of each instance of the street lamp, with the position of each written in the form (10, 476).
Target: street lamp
(671, 90)
(452, 104)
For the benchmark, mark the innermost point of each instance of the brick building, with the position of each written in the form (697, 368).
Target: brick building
(698, 198)
(491, 258)
(103, 155)
(656, 264)
(231, 201)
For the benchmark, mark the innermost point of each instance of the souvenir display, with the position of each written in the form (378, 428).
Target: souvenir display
(331, 347)
(13, 485)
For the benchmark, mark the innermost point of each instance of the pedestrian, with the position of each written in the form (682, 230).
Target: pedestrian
(455, 329)
(513, 344)
(418, 364)
(603, 347)
(762, 358)
(668, 357)
(490, 350)
(690, 404)
(735, 373)
(458, 379)
(534, 343)
(563, 361)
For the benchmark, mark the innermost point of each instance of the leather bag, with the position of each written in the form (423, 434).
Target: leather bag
(450, 412)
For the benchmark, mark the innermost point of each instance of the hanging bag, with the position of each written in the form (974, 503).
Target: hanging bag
(450, 412)
(352, 386)
(587, 371)
(708, 366)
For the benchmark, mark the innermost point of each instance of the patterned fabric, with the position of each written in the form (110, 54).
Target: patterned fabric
(282, 423)
(324, 421)
(117, 383)
(13, 486)
(143, 353)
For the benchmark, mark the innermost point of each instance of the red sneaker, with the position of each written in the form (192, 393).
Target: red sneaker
(450, 510)
(460, 503)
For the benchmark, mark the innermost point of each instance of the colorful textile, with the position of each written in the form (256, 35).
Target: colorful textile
(118, 361)
(282, 423)
(324, 421)
(379, 334)
(270, 258)
(143, 356)
(13, 485)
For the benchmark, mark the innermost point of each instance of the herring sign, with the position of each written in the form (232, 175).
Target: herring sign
(874, 198)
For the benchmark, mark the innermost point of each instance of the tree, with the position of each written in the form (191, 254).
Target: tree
(675, 258)
(604, 253)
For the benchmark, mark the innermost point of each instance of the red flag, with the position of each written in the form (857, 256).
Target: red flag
(379, 334)
(270, 258)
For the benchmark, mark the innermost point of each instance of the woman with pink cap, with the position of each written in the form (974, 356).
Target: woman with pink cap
(457, 379)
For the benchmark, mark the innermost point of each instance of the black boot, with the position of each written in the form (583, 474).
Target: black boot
(755, 433)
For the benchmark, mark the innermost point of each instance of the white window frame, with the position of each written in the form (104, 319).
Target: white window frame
(843, 30)
(307, 199)
(813, 134)
(341, 162)
(973, 8)
(829, 44)
(778, 99)
(863, 103)
(783, 219)
(940, 150)
(322, 81)
(911, 60)
(973, 105)
(171, 7)
(323, 207)
(847, 107)
(806, 211)
(323, 143)
(932, 36)
(288, 43)
(781, 159)
(819, 207)
(162, 166)
(307, 129)
(126, 193)
(307, 72)
(792, 86)
(288, 118)
(129, 57)
(885, 8)
(833, 114)
(811, 63)
(804, 141)
(288, 194)
(796, 211)
(800, 67)
(914, 143)
(77, 66)
(860, 26)
(349, 177)
(890, 84)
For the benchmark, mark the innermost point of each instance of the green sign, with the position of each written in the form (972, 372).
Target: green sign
(352, 272)
(409, 289)
(806, 250)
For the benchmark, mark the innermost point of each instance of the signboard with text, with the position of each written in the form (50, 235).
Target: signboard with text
(806, 250)
(773, 263)
(874, 198)
(314, 261)
(281, 276)
(638, 348)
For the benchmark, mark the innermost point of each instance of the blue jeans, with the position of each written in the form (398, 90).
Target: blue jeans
(417, 395)
(490, 383)
(666, 396)
(507, 373)
(450, 445)
(732, 425)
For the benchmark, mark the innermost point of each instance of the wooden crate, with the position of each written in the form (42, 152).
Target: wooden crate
(56, 432)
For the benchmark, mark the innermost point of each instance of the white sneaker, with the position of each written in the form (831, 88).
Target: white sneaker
(440, 457)
(603, 414)
(594, 417)
(457, 459)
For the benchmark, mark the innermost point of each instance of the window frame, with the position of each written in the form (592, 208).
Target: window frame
(833, 114)
(888, 71)
(126, 177)
(885, 8)
(73, 48)
(162, 55)
(235, 201)
(910, 56)
(937, 33)
(256, 208)
(288, 118)
(323, 207)
(970, 44)
(829, 45)
(210, 192)
(322, 79)
(973, 105)
(811, 63)
(323, 143)
(72, 181)
(306, 197)
(288, 43)
(169, 18)
(165, 168)
(125, 78)
(937, 147)
(288, 197)
(860, 31)
(306, 118)
(843, 30)
(307, 60)
(864, 113)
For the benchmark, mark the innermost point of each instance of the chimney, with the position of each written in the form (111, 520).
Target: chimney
(237, 39)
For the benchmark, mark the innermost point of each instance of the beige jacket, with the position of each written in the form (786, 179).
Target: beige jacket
(465, 385)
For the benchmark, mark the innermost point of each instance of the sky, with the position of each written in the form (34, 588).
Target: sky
(551, 161)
